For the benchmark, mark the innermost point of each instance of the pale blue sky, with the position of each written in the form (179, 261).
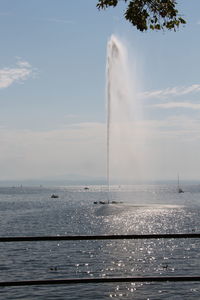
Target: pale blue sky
(52, 89)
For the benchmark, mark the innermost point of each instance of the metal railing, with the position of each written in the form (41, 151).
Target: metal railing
(100, 237)
(103, 279)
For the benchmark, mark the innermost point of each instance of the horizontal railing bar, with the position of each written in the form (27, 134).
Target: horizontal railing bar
(101, 280)
(99, 237)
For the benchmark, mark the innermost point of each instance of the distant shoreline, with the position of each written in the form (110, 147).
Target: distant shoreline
(41, 183)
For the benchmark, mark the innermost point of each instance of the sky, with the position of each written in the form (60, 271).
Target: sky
(52, 91)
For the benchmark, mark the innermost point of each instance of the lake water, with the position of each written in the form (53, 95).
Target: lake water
(29, 211)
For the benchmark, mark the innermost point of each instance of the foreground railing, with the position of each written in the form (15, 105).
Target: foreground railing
(100, 237)
(103, 279)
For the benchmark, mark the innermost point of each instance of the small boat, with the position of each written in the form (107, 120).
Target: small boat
(179, 189)
(107, 202)
(103, 202)
(86, 188)
(54, 196)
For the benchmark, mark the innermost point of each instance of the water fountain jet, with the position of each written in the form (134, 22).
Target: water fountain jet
(123, 133)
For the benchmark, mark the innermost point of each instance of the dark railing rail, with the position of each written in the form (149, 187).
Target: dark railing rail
(102, 279)
(100, 237)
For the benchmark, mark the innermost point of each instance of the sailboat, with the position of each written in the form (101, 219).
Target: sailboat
(178, 187)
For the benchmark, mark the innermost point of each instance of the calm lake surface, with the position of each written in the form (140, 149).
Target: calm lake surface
(30, 211)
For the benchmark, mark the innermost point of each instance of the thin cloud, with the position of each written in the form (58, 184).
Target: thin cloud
(71, 116)
(19, 74)
(2, 14)
(23, 64)
(175, 91)
(56, 20)
(170, 105)
(79, 149)
(159, 147)
(182, 127)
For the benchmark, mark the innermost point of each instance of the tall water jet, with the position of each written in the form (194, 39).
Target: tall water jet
(123, 114)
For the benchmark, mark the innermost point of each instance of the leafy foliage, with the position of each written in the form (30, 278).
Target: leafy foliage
(149, 14)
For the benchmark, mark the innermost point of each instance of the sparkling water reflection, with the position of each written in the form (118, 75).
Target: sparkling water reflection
(145, 209)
